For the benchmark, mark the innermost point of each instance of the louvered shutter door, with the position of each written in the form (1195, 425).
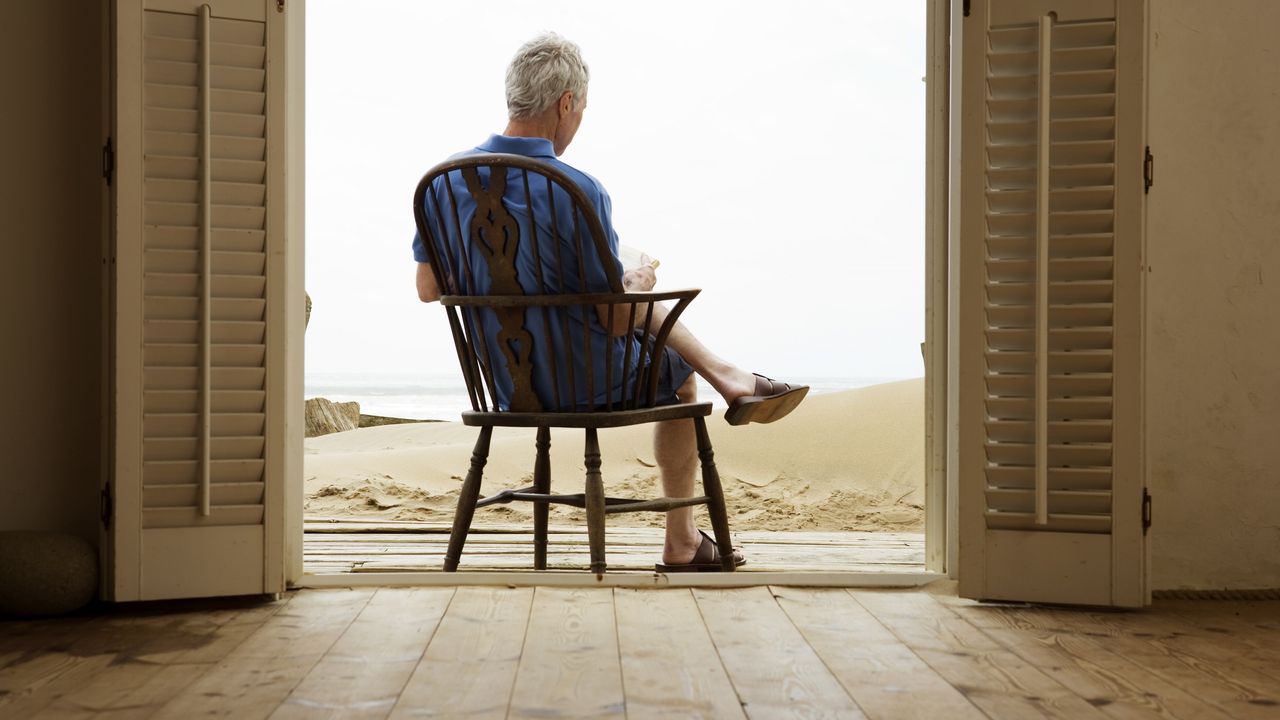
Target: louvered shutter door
(1050, 341)
(192, 474)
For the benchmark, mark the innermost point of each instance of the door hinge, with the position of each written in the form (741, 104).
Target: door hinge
(966, 8)
(1148, 170)
(108, 161)
(279, 6)
(1146, 511)
(108, 506)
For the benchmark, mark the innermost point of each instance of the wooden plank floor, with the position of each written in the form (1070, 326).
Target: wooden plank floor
(760, 653)
(355, 547)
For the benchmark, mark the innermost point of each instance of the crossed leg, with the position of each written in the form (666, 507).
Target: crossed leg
(731, 381)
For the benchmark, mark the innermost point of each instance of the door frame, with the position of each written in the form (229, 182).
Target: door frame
(294, 283)
(941, 293)
(941, 154)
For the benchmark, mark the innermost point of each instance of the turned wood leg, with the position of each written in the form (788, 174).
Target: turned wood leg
(595, 502)
(541, 484)
(711, 486)
(467, 500)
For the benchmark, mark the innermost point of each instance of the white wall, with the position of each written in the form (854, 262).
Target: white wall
(1213, 240)
(50, 268)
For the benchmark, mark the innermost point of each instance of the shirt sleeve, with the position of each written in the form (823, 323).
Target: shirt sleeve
(596, 275)
(419, 249)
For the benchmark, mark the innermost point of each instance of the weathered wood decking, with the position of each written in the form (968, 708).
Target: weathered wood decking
(344, 546)
(499, 652)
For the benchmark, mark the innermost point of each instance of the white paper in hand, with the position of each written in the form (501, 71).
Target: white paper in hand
(634, 257)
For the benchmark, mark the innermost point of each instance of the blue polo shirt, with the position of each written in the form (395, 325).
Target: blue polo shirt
(575, 395)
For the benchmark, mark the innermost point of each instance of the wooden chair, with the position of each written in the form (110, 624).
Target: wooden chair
(518, 317)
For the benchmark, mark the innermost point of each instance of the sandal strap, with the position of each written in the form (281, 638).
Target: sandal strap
(707, 551)
(766, 386)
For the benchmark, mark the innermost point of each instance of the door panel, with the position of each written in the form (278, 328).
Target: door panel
(200, 308)
(1050, 302)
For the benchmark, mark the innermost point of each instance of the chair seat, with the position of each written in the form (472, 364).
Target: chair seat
(615, 418)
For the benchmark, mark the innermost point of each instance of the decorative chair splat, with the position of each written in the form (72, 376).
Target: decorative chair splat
(496, 234)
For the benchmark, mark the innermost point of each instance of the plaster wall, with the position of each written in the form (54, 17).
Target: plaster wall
(1213, 294)
(51, 274)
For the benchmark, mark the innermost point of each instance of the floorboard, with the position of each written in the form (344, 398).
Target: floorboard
(1117, 686)
(470, 665)
(774, 670)
(990, 675)
(670, 667)
(880, 672)
(570, 665)
(262, 671)
(184, 645)
(498, 652)
(1207, 671)
(364, 672)
(36, 654)
(1249, 629)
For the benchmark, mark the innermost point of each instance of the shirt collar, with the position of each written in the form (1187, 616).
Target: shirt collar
(530, 147)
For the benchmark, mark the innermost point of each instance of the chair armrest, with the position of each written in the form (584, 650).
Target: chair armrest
(567, 300)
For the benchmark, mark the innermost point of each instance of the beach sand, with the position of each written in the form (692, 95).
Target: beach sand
(851, 460)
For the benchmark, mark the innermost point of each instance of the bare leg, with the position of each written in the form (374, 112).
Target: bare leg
(731, 381)
(674, 441)
(675, 449)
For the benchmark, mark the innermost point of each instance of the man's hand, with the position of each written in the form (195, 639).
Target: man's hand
(641, 279)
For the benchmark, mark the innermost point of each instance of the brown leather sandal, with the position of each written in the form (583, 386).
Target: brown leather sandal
(772, 400)
(706, 559)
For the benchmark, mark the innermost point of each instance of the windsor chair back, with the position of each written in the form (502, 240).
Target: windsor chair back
(546, 336)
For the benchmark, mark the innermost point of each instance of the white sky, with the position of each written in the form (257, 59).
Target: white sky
(770, 153)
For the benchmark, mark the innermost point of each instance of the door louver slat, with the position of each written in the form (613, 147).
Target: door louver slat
(176, 273)
(1080, 332)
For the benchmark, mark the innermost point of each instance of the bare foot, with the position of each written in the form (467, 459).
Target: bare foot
(734, 384)
(680, 551)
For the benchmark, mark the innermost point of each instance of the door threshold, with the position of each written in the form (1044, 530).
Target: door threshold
(553, 578)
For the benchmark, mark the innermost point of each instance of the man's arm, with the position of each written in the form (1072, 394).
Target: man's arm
(428, 290)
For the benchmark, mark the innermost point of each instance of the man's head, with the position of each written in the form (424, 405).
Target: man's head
(547, 86)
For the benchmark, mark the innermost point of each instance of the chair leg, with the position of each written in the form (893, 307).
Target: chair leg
(467, 500)
(541, 484)
(595, 503)
(711, 486)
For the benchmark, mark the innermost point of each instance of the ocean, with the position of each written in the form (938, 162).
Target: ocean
(425, 396)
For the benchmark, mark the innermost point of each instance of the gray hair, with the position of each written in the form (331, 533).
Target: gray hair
(541, 71)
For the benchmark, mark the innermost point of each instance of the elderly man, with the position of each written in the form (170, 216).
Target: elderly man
(546, 99)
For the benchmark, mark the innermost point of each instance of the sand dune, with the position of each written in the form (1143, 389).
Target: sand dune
(851, 460)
